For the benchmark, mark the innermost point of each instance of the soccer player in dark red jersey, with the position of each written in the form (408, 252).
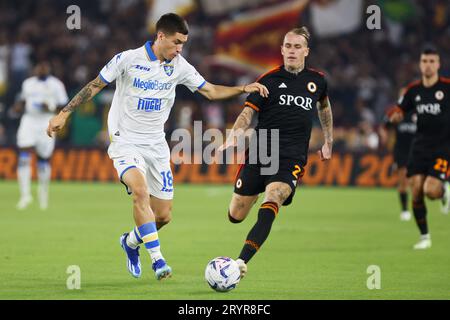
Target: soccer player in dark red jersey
(294, 94)
(428, 164)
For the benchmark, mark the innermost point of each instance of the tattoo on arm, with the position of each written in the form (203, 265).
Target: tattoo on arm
(244, 120)
(85, 94)
(326, 118)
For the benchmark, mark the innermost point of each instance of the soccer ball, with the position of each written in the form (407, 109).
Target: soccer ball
(222, 274)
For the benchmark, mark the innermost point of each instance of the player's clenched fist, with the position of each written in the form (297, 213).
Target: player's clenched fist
(395, 114)
(55, 124)
(325, 152)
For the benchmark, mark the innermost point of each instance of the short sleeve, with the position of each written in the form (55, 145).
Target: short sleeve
(115, 67)
(324, 92)
(255, 100)
(191, 78)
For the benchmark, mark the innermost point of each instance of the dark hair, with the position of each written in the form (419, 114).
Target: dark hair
(302, 31)
(429, 49)
(171, 23)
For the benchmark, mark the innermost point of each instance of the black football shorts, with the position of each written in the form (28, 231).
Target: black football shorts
(401, 155)
(249, 180)
(435, 164)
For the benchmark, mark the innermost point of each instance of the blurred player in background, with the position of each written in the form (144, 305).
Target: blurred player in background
(428, 164)
(402, 134)
(146, 78)
(295, 92)
(40, 97)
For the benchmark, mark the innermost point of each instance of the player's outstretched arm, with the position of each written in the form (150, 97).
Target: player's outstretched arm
(87, 93)
(217, 92)
(240, 126)
(326, 120)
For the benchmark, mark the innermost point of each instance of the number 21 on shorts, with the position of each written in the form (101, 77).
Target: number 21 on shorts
(441, 165)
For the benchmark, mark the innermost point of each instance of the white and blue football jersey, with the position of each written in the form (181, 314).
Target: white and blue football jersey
(36, 92)
(145, 93)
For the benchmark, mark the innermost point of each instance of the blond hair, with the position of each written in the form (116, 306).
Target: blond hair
(301, 31)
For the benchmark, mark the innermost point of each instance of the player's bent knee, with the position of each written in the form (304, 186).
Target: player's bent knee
(432, 196)
(233, 218)
(139, 193)
(162, 221)
(165, 216)
(433, 193)
(433, 189)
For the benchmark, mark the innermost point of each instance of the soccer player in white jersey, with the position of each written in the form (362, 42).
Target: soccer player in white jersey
(39, 99)
(146, 78)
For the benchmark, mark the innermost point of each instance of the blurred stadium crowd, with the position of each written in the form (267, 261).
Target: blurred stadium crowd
(365, 68)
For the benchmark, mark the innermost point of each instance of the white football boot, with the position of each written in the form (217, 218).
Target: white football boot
(405, 216)
(242, 267)
(24, 202)
(424, 243)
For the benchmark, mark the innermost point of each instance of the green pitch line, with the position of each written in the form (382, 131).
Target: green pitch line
(320, 247)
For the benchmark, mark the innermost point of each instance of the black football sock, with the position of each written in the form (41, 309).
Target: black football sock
(420, 213)
(404, 200)
(260, 231)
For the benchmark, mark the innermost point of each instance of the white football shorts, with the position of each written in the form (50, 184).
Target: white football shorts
(152, 160)
(32, 134)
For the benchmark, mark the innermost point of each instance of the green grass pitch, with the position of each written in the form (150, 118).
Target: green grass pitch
(320, 247)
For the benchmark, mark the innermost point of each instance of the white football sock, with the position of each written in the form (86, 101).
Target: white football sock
(132, 241)
(44, 175)
(24, 174)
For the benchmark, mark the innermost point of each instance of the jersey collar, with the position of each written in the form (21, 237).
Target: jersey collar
(289, 74)
(150, 53)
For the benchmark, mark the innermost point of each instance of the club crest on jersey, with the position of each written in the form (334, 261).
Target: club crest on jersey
(417, 98)
(312, 87)
(439, 95)
(168, 69)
